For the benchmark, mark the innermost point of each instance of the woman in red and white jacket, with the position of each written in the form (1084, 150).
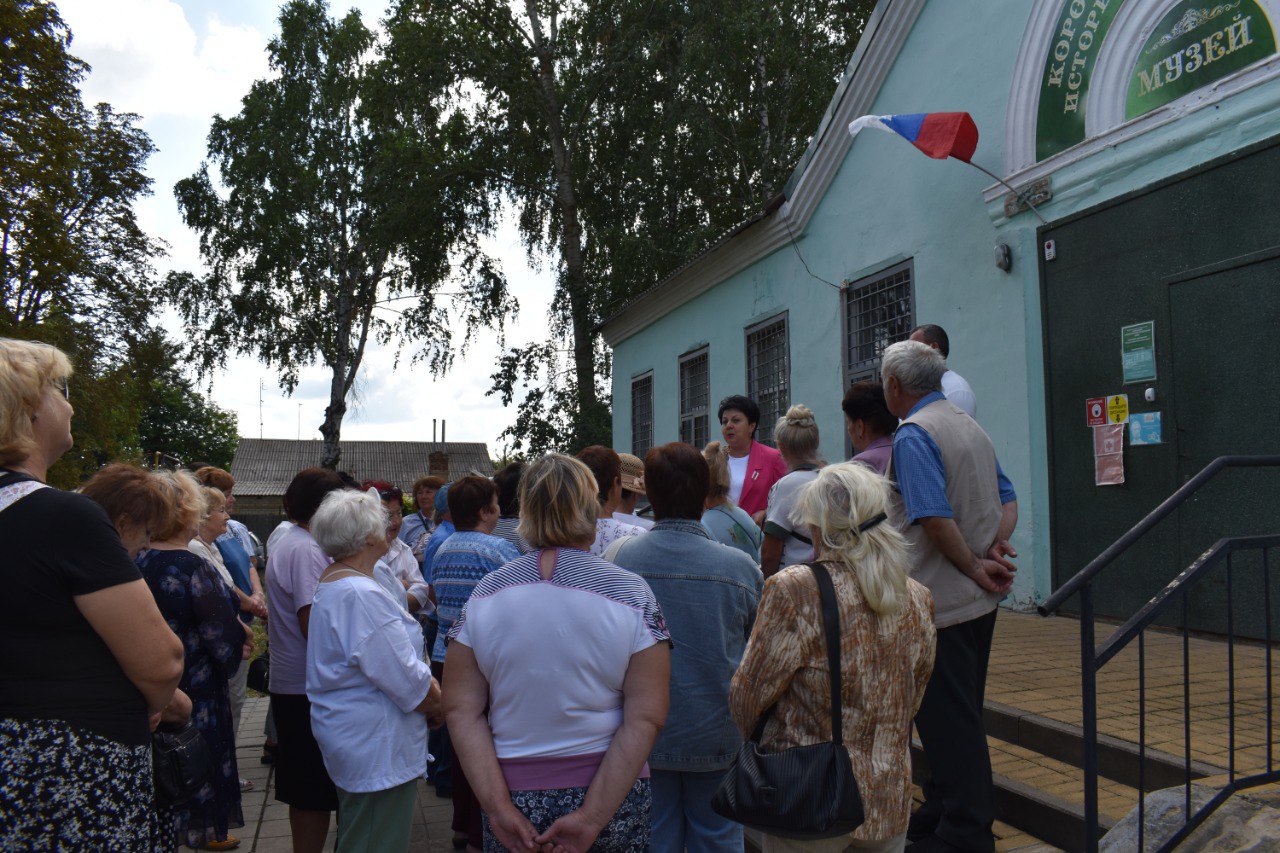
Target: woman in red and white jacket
(753, 467)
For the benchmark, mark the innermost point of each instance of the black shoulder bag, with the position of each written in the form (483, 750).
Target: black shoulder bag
(181, 762)
(806, 791)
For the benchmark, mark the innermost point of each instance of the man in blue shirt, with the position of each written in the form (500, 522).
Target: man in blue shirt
(957, 510)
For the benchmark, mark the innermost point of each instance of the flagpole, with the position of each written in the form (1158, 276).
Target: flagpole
(1018, 195)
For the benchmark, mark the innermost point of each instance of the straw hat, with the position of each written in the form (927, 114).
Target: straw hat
(632, 473)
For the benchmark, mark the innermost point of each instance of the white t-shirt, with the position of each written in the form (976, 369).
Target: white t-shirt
(607, 530)
(365, 677)
(632, 518)
(555, 652)
(293, 571)
(778, 521)
(958, 392)
(403, 566)
(737, 475)
(276, 535)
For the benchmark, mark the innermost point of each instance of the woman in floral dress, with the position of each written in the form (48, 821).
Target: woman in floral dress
(200, 610)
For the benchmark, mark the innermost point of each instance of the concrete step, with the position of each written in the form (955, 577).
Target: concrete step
(1118, 760)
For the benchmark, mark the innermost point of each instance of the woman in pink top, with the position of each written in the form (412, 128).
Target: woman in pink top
(753, 467)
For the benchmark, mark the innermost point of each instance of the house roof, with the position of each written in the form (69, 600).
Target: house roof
(264, 466)
(783, 221)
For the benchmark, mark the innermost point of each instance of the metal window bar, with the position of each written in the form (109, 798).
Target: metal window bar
(769, 374)
(642, 415)
(1093, 658)
(877, 314)
(695, 395)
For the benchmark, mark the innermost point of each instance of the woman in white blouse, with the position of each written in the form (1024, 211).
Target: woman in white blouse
(370, 691)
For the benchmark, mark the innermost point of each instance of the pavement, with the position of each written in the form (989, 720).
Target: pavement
(1035, 666)
(266, 822)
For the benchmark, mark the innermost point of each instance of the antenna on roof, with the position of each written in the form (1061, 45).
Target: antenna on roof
(259, 407)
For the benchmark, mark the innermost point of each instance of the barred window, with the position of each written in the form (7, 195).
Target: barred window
(642, 414)
(695, 393)
(769, 373)
(878, 311)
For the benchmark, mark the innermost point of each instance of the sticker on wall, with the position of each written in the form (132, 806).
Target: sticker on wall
(1138, 352)
(1108, 439)
(1108, 455)
(1108, 470)
(1144, 428)
(1095, 411)
(1118, 409)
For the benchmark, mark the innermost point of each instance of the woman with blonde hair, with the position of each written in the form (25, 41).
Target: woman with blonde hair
(886, 653)
(786, 542)
(201, 610)
(87, 658)
(727, 522)
(560, 763)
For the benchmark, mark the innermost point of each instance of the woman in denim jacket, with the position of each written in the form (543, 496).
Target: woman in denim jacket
(709, 593)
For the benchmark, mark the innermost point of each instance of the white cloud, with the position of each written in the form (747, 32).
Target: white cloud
(147, 59)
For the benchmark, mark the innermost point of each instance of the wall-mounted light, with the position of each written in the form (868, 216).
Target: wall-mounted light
(1004, 256)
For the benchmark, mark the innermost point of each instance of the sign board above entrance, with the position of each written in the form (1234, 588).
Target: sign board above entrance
(1064, 87)
(1195, 43)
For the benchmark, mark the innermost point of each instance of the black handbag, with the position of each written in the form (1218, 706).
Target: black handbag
(181, 763)
(806, 791)
(259, 677)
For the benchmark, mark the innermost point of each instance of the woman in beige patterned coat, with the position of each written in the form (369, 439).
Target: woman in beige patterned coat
(886, 652)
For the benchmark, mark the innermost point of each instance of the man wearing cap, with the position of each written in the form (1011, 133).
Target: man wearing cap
(632, 491)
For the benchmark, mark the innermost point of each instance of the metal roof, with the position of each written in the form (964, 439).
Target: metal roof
(265, 466)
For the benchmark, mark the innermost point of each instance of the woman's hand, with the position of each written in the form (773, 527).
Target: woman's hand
(177, 711)
(247, 651)
(433, 706)
(514, 831)
(573, 833)
(256, 605)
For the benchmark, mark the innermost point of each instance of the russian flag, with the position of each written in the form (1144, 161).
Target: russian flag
(940, 135)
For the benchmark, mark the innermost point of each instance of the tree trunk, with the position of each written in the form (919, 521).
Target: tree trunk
(575, 279)
(331, 429)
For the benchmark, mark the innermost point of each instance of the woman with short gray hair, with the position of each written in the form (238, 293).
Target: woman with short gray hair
(368, 685)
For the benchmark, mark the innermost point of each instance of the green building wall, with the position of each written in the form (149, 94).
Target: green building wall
(888, 203)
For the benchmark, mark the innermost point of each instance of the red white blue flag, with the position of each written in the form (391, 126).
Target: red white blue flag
(940, 135)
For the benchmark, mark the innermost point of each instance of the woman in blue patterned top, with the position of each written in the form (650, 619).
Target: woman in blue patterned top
(462, 561)
(202, 612)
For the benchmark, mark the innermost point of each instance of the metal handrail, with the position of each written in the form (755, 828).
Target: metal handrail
(1092, 658)
(1175, 500)
(1114, 644)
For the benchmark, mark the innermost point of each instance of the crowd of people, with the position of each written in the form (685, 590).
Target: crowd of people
(572, 650)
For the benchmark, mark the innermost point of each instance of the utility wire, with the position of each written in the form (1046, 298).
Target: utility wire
(803, 262)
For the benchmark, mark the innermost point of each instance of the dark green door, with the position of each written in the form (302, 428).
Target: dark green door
(1226, 393)
(1199, 256)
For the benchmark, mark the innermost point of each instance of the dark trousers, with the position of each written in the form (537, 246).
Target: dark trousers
(440, 771)
(466, 807)
(959, 794)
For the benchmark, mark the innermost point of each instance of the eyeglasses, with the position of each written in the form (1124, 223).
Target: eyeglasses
(391, 495)
(63, 385)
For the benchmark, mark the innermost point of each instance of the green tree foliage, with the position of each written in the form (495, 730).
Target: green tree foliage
(71, 251)
(329, 220)
(628, 134)
(75, 267)
(175, 419)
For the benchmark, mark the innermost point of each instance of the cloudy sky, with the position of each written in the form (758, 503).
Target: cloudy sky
(177, 63)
